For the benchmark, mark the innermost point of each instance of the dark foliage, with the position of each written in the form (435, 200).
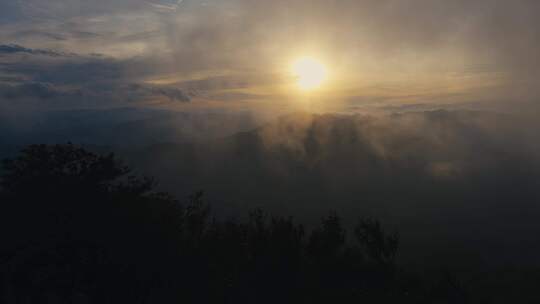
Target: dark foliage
(78, 228)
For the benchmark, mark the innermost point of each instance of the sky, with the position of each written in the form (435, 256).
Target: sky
(237, 54)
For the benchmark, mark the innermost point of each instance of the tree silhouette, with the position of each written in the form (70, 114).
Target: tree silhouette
(77, 227)
(379, 246)
(326, 241)
(67, 213)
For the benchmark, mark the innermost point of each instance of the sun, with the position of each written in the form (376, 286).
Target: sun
(309, 72)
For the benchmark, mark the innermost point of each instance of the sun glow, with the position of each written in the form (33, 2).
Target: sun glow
(309, 72)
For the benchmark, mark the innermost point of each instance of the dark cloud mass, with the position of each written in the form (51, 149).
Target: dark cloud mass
(38, 90)
(171, 92)
(75, 81)
(14, 49)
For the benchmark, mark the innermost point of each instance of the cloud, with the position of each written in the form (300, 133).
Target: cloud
(416, 44)
(152, 91)
(28, 90)
(15, 49)
(31, 76)
(168, 5)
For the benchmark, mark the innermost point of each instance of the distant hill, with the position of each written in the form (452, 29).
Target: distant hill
(437, 175)
(120, 127)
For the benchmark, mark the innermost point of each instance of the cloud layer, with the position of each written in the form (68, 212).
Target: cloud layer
(458, 51)
(71, 80)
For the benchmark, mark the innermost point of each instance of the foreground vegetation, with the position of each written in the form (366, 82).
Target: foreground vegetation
(77, 227)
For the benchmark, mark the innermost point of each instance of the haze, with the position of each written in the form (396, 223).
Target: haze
(421, 113)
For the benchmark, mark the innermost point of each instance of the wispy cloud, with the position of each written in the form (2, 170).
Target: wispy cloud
(14, 49)
(31, 76)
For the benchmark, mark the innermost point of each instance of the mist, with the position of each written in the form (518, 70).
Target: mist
(425, 119)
